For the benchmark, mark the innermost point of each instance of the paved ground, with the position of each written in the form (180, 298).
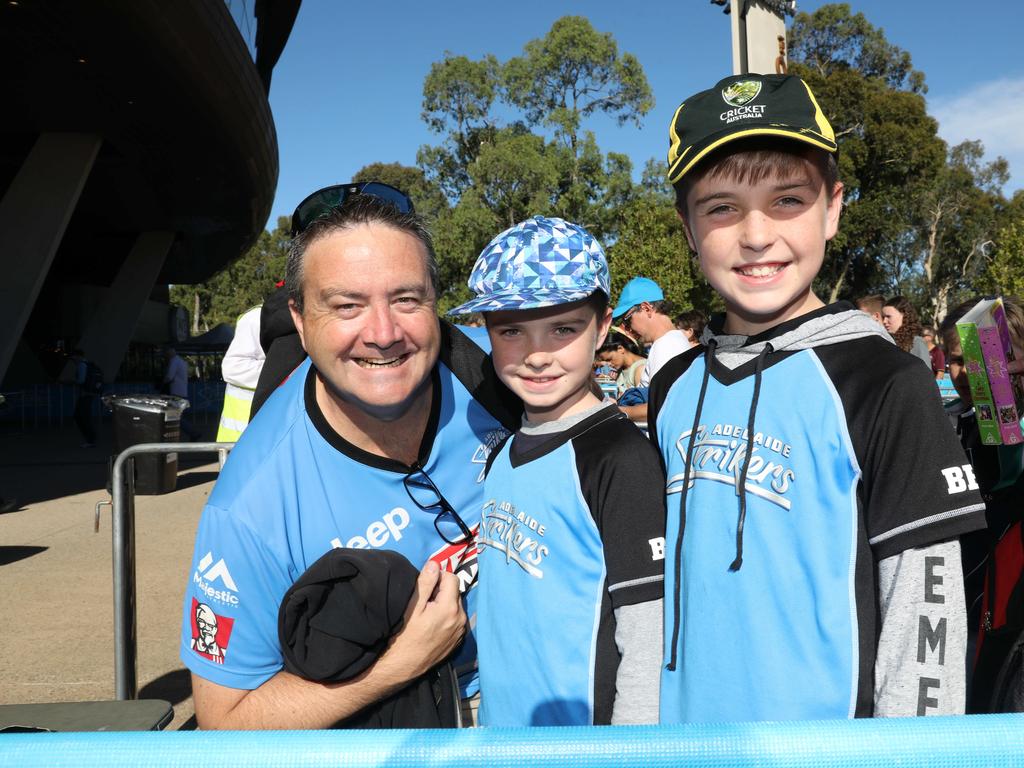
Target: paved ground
(57, 642)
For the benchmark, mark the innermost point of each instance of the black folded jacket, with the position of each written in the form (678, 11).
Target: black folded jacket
(336, 620)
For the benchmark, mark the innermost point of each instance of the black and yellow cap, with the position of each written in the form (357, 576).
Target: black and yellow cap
(741, 106)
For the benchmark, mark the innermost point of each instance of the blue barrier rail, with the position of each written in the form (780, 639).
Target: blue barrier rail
(927, 742)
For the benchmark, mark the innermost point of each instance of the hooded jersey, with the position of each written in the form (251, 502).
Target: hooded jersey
(573, 528)
(850, 460)
(293, 489)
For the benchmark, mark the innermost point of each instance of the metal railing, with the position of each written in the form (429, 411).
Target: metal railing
(123, 535)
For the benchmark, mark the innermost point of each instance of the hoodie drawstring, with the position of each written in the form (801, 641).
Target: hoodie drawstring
(709, 355)
(742, 490)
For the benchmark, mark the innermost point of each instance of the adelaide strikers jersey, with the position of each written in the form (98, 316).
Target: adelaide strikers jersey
(573, 527)
(292, 489)
(853, 461)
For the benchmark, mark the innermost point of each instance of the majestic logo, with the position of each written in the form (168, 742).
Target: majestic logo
(483, 451)
(205, 578)
(741, 93)
(515, 534)
(460, 558)
(210, 632)
(719, 455)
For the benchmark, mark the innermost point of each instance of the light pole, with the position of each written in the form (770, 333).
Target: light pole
(758, 34)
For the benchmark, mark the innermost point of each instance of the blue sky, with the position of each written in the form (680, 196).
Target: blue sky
(347, 90)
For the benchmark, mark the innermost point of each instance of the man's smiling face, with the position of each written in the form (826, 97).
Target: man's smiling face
(368, 320)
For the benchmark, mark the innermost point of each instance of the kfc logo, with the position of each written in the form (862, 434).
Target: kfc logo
(210, 632)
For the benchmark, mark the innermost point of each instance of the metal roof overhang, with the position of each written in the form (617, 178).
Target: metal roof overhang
(188, 138)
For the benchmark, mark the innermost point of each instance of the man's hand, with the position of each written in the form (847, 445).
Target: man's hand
(434, 624)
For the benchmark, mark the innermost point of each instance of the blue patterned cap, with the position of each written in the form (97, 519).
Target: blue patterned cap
(537, 263)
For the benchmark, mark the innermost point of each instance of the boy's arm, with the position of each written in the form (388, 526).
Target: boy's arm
(639, 638)
(623, 484)
(920, 664)
(635, 413)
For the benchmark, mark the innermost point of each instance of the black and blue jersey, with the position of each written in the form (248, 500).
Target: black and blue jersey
(572, 529)
(851, 461)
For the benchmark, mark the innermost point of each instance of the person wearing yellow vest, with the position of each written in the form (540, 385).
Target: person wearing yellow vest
(241, 370)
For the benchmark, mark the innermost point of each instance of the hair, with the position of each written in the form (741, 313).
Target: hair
(872, 304)
(911, 325)
(751, 161)
(662, 307)
(616, 339)
(355, 210)
(693, 320)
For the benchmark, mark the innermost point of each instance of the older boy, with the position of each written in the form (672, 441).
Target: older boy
(810, 467)
(572, 536)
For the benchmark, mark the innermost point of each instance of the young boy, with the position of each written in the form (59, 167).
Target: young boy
(572, 538)
(815, 488)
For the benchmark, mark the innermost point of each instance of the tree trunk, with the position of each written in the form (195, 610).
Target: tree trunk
(195, 314)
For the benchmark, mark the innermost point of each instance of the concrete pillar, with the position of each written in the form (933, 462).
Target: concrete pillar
(33, 216)
(758, 37)
(106, 336)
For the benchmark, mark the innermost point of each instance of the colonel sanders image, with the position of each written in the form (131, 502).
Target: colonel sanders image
(205, 641)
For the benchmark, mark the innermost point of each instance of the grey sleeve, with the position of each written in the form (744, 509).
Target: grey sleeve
(920, 667)
(639, 636)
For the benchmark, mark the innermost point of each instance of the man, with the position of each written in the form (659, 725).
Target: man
(378, 440)
(175, 374)
(935, 354)
(872, 305)
(643, 311)
(240, 368)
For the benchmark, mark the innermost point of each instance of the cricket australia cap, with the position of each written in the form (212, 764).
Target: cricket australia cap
(537, 263)
(742, 106)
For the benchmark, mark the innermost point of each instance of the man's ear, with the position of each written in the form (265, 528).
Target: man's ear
(686, 229)
(297, 319)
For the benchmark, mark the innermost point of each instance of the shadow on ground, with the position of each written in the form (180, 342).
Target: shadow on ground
(40, 465)
(175, 687)
(15, 553)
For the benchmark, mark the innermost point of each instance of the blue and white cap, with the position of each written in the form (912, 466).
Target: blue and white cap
(537, 263)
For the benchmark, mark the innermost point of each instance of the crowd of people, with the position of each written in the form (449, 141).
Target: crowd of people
(788, 541)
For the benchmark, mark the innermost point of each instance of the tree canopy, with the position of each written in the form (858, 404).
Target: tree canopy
(920, 218)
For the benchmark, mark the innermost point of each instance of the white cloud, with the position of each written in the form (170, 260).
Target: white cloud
(992, 112)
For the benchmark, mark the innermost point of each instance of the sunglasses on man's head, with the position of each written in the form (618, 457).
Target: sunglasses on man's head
(321, 202)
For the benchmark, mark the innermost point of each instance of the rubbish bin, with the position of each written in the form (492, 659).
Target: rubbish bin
(149, 419)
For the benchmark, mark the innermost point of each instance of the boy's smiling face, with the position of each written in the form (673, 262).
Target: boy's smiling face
(545, 356)
(761, 244)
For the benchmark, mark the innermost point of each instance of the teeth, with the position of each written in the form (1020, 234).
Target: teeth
(368, 363)
(758, 271)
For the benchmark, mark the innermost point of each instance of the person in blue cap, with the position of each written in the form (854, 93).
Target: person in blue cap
(644, 311)
(572, 531)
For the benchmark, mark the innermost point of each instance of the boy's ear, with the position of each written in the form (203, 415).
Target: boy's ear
(834, 209)
(603, 324)
(686, 229)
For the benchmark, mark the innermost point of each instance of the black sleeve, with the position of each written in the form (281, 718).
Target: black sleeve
(623, 484)
(917, 486)
(475, 369)
(660, 385)
(284, 356)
